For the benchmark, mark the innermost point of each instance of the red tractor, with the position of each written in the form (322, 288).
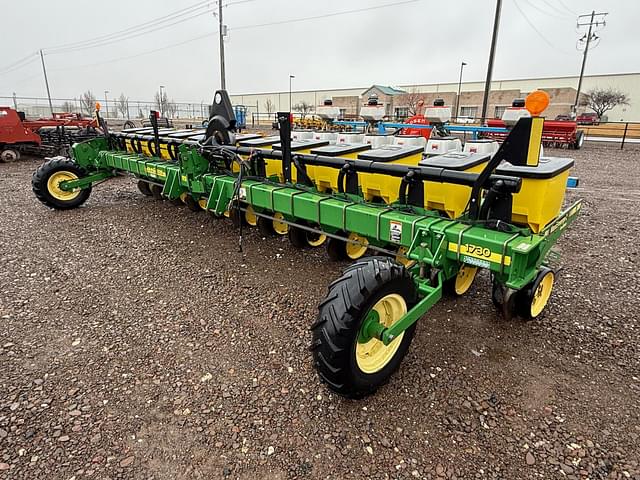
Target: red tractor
(43, 136)
(14, 136)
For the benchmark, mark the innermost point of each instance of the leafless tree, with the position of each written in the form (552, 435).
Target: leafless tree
(122, 105)
(68, 106)
(160, 103)
(268, 105)
(171, 108)
(88, 102)
(303, 108)
(413, 100)
(601, 100)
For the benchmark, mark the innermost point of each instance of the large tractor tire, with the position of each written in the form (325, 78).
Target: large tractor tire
(350, 361)
(46, 184)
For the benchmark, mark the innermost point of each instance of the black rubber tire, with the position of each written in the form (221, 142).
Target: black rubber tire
(191, 203)
(156, 191)
(524, 297)
(336, 249)
(8, 155)
(265, 227)
(144, 188)
(509, 309)
(340, 316)
(45, 171)
(129, 124)
(177, 202)
(236, 216)
(579, 140)
(298, 237)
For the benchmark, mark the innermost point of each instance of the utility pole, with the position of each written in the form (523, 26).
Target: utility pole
(589, 36)
(222, 29)
(494, 40)
(106, 103)
(462, 64)
(46, 82)
(291, 77)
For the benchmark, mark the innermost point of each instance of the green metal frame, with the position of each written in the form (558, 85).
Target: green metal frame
(436, 244)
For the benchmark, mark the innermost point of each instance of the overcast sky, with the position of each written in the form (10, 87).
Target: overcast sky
(422, 41)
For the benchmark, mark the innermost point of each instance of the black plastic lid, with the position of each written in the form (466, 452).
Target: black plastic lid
(297, 145)
(480, 140)
(518, 102)
(186, 134)
(340, 149)
(260, 142)
(241, 137)
(548, 167)
(389, 153)
(328, 102)
(455, 160)
(438, 102)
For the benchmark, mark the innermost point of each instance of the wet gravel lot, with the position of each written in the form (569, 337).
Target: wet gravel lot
(136, 342)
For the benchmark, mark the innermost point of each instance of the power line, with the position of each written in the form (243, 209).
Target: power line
(326, 15)
(553, 7)
(531, 24)
(20, 63)
(128, 37)
(134, 28)
(531, 4)
(564, 5)
(128, 57)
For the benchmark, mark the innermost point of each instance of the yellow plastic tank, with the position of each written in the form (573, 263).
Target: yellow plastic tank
(303, 146)
(446, 197)
(273, 167)
(326, 178)
(376, 187)
(543, 187)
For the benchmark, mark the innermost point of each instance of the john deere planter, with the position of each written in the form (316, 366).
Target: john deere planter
(506, 222)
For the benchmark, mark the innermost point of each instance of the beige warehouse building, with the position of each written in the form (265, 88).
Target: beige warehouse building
(561, 89)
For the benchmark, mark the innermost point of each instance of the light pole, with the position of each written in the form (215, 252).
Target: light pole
(291, 77)
(462, 64)
(222, 30)
(492, 53)
(106, 103)
(160, 100)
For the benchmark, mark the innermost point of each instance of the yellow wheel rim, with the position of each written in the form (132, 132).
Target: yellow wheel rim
(401, 257)
(250, 216)
(373, 356)
(53, 185)
(464, 279)
(356, 250)
(203, 203)
(183, 197)
(280, 227)
(542, 294)
(316, 239)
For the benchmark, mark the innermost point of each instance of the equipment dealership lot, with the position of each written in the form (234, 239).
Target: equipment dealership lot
(137, 342)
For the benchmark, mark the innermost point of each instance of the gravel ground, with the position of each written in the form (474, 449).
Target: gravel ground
(137, 342)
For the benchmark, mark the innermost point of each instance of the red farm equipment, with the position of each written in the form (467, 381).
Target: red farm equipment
(555, 133)
(44, 136)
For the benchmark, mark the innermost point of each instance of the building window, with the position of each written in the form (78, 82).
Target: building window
(499, 111)
(402, 113)
(469, 112)
(343, 112)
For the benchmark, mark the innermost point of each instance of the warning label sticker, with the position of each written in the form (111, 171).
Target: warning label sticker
(242, 193)
(395, 231)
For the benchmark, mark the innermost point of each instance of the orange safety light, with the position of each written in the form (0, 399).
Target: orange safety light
(98, 106)
(536, 102)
